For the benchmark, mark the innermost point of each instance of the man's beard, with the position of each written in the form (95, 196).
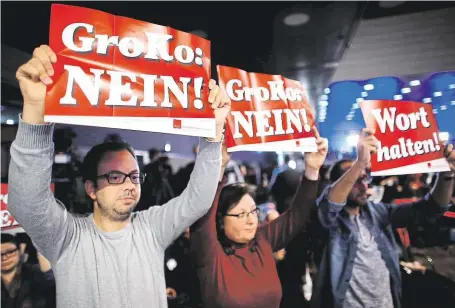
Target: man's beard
(115, 215)
(122, 216)
(352, 203)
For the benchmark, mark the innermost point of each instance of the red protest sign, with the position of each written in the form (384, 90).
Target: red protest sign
(8, 221)
(268, 112)
(408, 138)
(119, 72)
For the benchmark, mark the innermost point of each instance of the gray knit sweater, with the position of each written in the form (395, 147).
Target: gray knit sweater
(95, 268)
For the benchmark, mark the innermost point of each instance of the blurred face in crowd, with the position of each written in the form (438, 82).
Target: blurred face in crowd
(114, 199)
(358, 195)
(187, 233)
(243, 170)
(196, 149)
(10, 257)
(241, 221)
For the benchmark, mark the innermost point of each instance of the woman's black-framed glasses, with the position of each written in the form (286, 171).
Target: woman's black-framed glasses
(7, 254)
(245, 215)
(116, 177)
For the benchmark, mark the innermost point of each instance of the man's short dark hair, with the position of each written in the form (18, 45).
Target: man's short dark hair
(337, 170)
(94, 156)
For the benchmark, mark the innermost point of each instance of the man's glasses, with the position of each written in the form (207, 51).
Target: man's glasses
(245, 215)
(7, 254)
(367, 178)
(120, 177)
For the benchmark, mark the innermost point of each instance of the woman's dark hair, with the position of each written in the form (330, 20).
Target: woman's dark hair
(9, 238)
(94, 156)
(230, 196)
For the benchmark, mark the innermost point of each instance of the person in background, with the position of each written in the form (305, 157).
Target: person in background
(181, 278)
(284, 187)
(113, 257)
(233, 173)
(152, 182)
(113, 138)
(433, 245)
(233, 255)
(278, 170)
(156, 188)
(180, 179)
(267, 213)
(360, 266)
(25, 285)
(292, 269)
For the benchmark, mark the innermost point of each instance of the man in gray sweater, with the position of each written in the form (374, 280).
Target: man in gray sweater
(112, 258)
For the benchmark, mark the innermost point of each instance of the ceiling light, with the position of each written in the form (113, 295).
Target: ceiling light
(10, 122)
(390, 4)
(437, 94)
(406, 90)
(296, 19)
(292, 164)
(368, 87)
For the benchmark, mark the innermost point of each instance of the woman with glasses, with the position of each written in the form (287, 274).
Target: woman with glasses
(233, 255)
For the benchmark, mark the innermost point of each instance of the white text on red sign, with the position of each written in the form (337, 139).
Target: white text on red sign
(156, 48)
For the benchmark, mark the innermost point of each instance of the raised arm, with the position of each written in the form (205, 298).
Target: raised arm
(172, 218)
(443, 189)
(30, 199)
(283, 229)
(367, 144)
(334, 197)
(203, 233)
(433, 204)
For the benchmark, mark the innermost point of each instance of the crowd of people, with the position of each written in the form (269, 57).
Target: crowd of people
(324, 236)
